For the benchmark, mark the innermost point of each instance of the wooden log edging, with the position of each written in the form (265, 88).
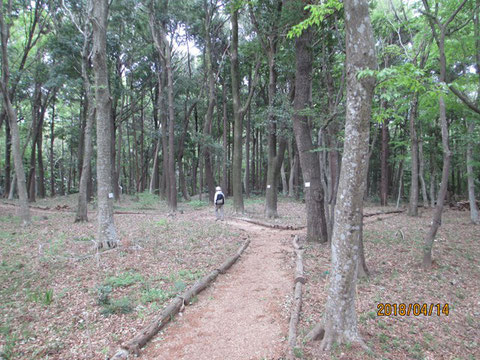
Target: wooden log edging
(176, 305)
(271, 226)
(297, 304)
(384, 213)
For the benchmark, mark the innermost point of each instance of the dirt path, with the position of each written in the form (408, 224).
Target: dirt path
(243, 315)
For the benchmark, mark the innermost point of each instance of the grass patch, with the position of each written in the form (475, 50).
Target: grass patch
(41, 297)
(198, 204)
(83, 238)
(298, 353)
(125, 279)
(156, 295)
(148, 201)
(123, 305)
(416, 352)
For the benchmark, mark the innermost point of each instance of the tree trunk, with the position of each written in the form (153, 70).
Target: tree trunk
(207, 126)
(384, 165)
(24, 211)
(340, 313)
(275, 156)
(41, 169)
(36, 125)
(172, 179)
(433, 171)
(284, 180)
(400, 183)
(107, 235)
(238, 118)
(422, 174)
(246, 180)
(8, 152)
(437, 214)
(293, 159)
(470, 175)
(309, 161)
(52, 141)
(155, 180)
(118, 167)
(225, 139)
(413, 204)
(89, 110)
(471, 125)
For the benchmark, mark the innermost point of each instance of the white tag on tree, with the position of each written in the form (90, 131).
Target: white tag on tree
(268, 186)
(110, 195)
(307, 184)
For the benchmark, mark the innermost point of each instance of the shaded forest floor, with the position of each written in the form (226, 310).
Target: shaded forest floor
(60, 299)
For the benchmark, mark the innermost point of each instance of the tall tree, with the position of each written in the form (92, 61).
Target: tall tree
(88, 109)
(340, 314)
(439, 32)
(209, 10)
(107, 234)
(24, 210)
(269, 35)
(164, 50)
(309, 161)
(474, 216)
(238, 113)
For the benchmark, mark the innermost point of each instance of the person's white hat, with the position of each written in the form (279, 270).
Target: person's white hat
(218, 188)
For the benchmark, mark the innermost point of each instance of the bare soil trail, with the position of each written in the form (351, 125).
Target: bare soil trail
(244, 314)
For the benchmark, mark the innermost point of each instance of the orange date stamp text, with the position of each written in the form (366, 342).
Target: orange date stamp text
(393, 309)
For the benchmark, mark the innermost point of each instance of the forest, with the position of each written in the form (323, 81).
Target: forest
(343, 134)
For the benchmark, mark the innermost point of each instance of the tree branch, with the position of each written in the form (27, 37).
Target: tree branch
(243, 110)
(464, 99)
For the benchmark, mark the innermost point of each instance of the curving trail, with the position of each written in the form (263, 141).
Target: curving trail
(244, 314)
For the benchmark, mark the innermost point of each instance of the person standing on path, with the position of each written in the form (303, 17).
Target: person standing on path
(219, 200)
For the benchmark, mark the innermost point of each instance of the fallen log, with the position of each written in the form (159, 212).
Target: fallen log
(272, 226)
(176, 305)
(384, 213)
(230, 261)
(299, 277)
(297, 305)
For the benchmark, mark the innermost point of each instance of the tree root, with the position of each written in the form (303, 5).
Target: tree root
(330, 338)
(317, 333)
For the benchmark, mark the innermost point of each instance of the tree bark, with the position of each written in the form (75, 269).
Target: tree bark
(8, 153)
(52, 141)
(309, 161)
(470, 175)
(246, 180)
(238, 115)
(107, 235)
(225, 139)
(413, 204)
(340, 314)
(238, 119)
(24, 210)
(41, 169)
(384, 165)
(89, 109)
(207, 126)
(275, 156)
(474, 216)
(421, 174)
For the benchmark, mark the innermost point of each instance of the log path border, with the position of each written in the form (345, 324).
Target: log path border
(297, 304)
(271, 226)
(176, 305)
